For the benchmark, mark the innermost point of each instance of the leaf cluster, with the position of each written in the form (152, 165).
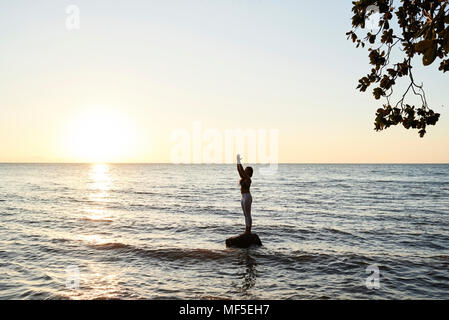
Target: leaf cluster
(424, 31)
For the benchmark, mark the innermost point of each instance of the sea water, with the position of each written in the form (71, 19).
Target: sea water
(157, 231)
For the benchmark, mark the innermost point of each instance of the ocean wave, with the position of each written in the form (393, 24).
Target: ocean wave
(33, 294)
(243, 255)
(131, 192)
(441, 257)
(98, 219)
(145, 193)
(171, 254)
(112, 245)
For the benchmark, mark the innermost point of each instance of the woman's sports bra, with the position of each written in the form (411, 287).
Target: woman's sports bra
(243, 183)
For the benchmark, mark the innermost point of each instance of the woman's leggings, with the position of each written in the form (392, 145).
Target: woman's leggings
(247, 199)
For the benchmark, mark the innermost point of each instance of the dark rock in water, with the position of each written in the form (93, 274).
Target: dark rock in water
(244, 241)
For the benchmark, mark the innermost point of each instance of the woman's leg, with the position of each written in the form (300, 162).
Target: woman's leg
(242, 202)
(246, 206)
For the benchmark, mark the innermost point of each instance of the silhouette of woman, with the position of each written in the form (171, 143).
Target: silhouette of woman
(245, 184)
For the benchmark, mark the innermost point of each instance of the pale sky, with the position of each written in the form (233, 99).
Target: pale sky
(137, 71)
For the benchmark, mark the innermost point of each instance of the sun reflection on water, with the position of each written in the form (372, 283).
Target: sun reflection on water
(94, 240)
(97, 280)
(100, 182)
(99, 186)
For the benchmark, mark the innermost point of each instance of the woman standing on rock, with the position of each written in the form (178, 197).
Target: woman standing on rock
(245, 184)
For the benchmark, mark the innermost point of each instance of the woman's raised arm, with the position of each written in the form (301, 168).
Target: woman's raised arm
(242, 172)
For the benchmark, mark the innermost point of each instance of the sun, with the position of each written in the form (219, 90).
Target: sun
(100, 136)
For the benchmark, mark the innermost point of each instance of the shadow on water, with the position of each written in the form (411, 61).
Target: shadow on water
(250, 273)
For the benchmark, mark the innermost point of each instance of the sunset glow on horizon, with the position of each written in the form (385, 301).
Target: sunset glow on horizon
(115, 89)
(99, 136)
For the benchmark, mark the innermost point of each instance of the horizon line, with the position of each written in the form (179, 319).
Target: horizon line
(261, 164)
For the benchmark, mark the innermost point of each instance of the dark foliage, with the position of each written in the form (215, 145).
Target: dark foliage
(424, 31)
